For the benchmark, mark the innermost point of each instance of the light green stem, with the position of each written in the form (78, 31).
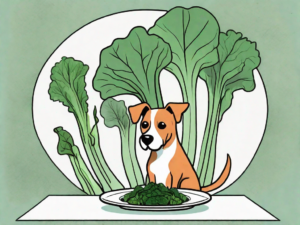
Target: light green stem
(147, 180)
(189, 131)
(108, 175)
(96, 159)
(154, 101)
(212, 157)
(88, 184)
(83, 182)
(205, 139)
(206, 162)
(130, 163)
(132, 149)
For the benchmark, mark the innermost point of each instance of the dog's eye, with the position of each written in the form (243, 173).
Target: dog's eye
(145, 124)
(162, 125)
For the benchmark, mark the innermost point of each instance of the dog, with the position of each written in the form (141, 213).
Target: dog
(168, 164)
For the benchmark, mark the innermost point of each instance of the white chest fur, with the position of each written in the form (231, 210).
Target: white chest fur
(160, 167)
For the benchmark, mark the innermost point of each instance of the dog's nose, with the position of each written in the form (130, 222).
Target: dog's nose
(147, 139)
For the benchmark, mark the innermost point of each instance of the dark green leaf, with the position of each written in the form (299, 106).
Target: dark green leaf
(65, 143)
(95, 115)
(94, 133)
(152, 195)
(175, 201)
(149, 186)
(175, 192)
(183, 197)
(152, 201)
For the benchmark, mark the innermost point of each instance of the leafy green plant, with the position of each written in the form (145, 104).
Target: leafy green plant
(154, 194)
(186, 42)
(66, 146)
(132, 66)
(68, 87)
(193, 36)
(234, 71)
(115, 115)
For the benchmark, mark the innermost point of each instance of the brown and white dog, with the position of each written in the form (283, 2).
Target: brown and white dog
(168, 163)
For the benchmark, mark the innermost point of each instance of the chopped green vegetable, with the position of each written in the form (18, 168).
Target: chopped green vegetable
(155, 194)
(183, 197)
(175, 192)
(133, 193)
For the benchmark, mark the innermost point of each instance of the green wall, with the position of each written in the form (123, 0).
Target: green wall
(31, 30)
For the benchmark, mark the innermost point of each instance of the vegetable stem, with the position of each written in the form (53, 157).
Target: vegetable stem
(132, 149)
(131, 166)
(189, 135)
(206, 162)
(100, 167)
(111, 179)
(88, 184)
(68, 87)
(155, 101)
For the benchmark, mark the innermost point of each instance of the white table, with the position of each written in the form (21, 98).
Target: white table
(90, 208)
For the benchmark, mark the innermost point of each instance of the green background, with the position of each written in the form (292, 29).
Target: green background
(31, 30)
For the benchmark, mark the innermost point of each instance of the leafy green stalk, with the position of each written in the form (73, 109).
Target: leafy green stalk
(115, 114)
(209, 142)
(133, 156)
(193, 37)
(66, 147)
(234, 71)
(68, 87)
(132, 65)
(107, 173)
(130, 163)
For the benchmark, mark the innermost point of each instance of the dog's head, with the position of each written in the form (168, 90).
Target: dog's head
(158, 126)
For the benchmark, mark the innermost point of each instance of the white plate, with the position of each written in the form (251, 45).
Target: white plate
(195, 198)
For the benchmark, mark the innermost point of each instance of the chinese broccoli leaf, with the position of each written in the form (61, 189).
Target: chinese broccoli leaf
(193, 36)
(238, 57)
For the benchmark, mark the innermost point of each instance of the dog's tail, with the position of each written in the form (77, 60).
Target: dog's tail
(222, 178)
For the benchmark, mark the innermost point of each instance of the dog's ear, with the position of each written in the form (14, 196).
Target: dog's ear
(177, 109)
(137, 111)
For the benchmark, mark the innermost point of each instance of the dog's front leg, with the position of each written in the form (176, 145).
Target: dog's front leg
(151, 177)
(169, 181)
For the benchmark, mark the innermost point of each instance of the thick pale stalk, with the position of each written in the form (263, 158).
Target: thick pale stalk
(189, 135)
(189, 126)
(96, 159)
(154, 101)
(206, 163)
(108, 175)
(86, 187)
(208, 179)
(88, 184)
(132, 149)
(130, 163)
(205, 139)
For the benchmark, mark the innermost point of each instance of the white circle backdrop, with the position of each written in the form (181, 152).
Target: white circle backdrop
(240, 131)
